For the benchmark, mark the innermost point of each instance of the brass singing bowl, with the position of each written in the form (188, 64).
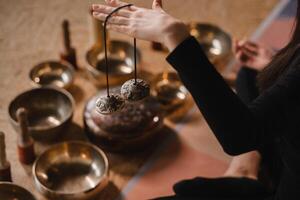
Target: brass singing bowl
(10, 191)
(50, 110)
(172, 94)
(216, 43)
(120, 60)
(70, 171)
(52, 73)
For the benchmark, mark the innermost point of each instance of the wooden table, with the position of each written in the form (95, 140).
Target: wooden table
(30, 33)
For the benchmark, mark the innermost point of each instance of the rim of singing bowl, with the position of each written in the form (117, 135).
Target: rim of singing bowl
(217, 29)
(19, 188)
(39, 183)
(67, 68)
(52, 88)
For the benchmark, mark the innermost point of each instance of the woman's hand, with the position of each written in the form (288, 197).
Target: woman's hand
(147, 24)
(252, 55)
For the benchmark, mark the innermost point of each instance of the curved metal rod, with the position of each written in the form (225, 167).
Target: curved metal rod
(105, 46)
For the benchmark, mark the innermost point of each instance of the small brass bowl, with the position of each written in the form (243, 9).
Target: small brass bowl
(172, 94)
(50, 110)
(70, 171)
(215, 42)
(52, 73)
(120, 60)
(10, 191)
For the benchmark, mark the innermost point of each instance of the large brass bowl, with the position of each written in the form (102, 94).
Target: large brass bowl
(71, 171)
(50, 110)
(10, 191)
(120, 59)
(130, 129)
(52, 73)
(215, 42)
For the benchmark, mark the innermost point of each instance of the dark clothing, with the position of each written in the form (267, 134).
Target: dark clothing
(221, 188)
(226, 188)
(247, 91)
(271, 120)
(246, 85)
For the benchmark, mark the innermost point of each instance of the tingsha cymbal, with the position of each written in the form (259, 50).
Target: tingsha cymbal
(135, 90)
(109, 104)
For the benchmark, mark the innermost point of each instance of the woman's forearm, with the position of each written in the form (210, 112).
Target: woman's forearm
(232, 122)
(175, 34)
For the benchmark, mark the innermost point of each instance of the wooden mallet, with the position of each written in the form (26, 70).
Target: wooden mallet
(5, 172)
(25, 141)
(69, 53)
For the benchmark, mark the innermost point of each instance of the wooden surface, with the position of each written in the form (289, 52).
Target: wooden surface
(30, 33)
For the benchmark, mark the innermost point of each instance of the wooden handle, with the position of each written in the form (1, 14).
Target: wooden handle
(3, 161)
(24, 137)
(25, 142)
(26, 154)
(66, 35)
(70, 57)
(5, 174)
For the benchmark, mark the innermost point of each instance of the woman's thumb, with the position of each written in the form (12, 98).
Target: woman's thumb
(157, 4)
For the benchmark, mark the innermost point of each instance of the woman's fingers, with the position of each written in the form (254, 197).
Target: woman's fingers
(249, 54)
(117, 3)
(247, 45)
(113, 19)
(251, 47)
(245, 48)
(250, 51)
(252, 44)
(235, 46)
(241, 43)
(242, 58)
(157, 4)
(98, 8)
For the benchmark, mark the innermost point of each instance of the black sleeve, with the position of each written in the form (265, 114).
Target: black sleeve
(246, 85)
(238, 127)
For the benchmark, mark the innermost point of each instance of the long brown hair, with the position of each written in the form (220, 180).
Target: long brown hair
(281, 60)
